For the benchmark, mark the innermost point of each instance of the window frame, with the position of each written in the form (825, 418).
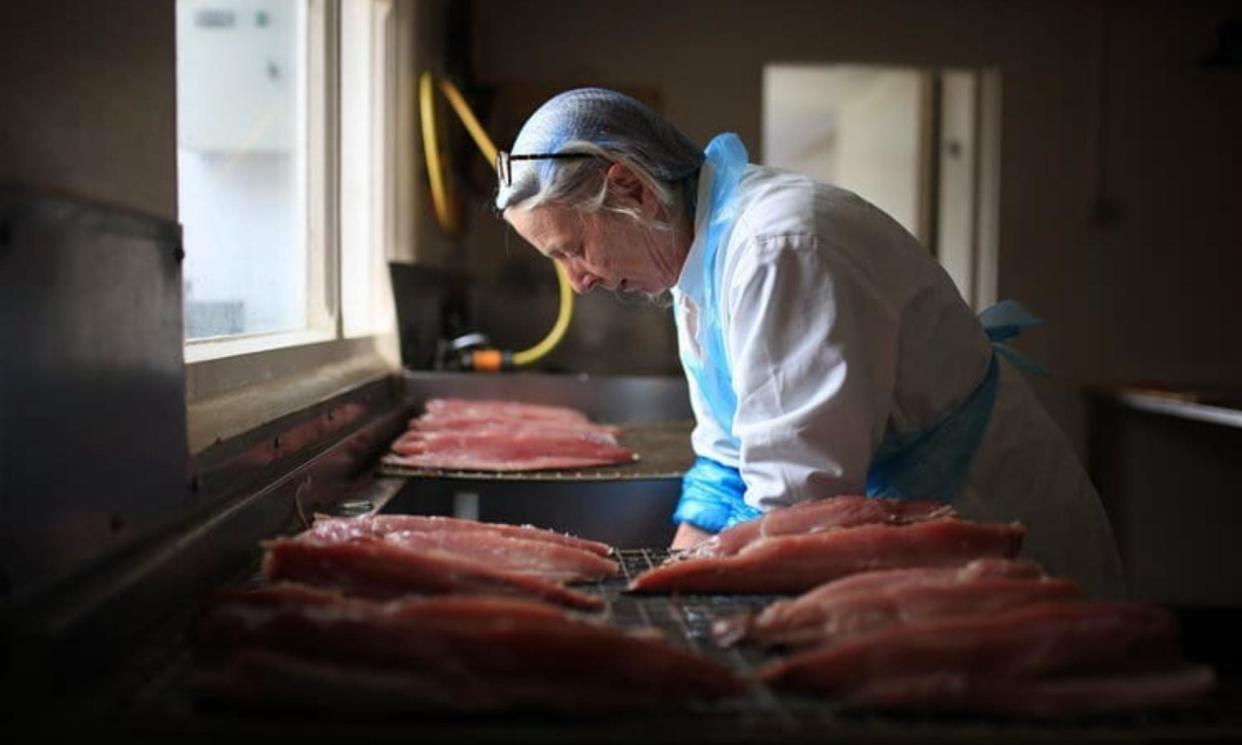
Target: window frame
(237, 383)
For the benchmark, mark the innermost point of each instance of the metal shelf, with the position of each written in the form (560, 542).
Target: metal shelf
(663, 449)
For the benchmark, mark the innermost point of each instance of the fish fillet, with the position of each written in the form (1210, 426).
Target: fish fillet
(598, 432)
(463, 408)
(550, 561)
(832, 620)
(373, 567)
(345, 528)
(818, 515)
(522, 450)
(466, 653)
(894, 580)
(1061, 638)
(797, 563)
(488, 435)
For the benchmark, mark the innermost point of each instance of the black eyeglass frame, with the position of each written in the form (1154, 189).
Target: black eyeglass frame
(504, 162)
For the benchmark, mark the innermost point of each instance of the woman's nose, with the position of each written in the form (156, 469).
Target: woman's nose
(581, 280)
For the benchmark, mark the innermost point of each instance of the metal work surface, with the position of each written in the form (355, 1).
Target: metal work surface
(663, 449)
(152, 694)
(60, 641)
(621, 399)
(92, 383)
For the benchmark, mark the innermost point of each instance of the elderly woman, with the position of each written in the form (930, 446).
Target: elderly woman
(826, 352)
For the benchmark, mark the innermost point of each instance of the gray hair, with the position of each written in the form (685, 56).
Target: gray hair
(616, 129)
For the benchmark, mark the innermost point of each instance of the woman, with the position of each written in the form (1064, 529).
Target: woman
(826, 352)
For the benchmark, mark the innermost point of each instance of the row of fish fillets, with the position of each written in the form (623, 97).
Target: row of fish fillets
(903, 605)
(386, 556)
(398, 612)
(505, 436)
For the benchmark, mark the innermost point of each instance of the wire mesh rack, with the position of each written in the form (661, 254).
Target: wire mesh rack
(663, 449)
(154, 687)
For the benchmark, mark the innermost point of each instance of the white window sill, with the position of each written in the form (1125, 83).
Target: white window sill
(201, 350)
(228, 396)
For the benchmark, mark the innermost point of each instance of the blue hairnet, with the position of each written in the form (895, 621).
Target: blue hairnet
(607, 119)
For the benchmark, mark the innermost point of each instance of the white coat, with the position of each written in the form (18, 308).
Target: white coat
(837, 325)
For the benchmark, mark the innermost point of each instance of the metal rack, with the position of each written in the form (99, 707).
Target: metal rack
(663, 449)
(153, 690)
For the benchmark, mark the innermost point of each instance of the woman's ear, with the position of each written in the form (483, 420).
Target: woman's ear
(626, 187)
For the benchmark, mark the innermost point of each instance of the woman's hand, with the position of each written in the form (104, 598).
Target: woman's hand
(688, 536)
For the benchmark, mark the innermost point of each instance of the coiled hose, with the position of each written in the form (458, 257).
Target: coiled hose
(447, 215)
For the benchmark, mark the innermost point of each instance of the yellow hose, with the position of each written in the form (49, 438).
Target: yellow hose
(486, 146)
(446, 215)
(527, 356)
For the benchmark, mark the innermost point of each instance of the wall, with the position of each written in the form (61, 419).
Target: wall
(1176, 527)
(92, 420)
(89, 95)
(1142, 296)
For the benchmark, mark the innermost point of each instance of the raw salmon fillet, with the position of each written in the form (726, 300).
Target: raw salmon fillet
(344, 528)
(818, 515)
(505, 436)
(1043, 661)
(894, 580)
(373, 567)
(302, 646)
(462, 408)
(548, 561)
(599, 432)
(828, 615)
(1060, 638)
(520, 450)
(797, 563)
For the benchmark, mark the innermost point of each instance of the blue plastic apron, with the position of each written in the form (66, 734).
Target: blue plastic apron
(927, 464)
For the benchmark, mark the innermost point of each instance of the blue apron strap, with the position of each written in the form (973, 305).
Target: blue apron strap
(1005, 320)
(933, 463)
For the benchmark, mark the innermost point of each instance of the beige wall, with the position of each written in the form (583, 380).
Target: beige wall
(89, 96)
(1146, 296)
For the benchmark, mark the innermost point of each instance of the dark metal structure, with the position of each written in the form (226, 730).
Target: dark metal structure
(92, 383)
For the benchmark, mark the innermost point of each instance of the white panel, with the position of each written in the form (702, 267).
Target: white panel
(956, 225)
(855, 126)
(879, 144)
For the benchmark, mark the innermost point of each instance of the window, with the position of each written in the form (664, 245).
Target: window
(285, 197)
(368, 148)
(919, 143)
(287, 153)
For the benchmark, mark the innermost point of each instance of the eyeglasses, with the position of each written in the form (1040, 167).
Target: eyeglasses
(504, 162)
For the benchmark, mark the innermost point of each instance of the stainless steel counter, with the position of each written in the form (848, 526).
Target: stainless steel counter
(1207, 408)
(627, 506)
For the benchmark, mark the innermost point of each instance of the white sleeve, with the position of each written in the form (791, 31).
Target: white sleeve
(812, 346)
